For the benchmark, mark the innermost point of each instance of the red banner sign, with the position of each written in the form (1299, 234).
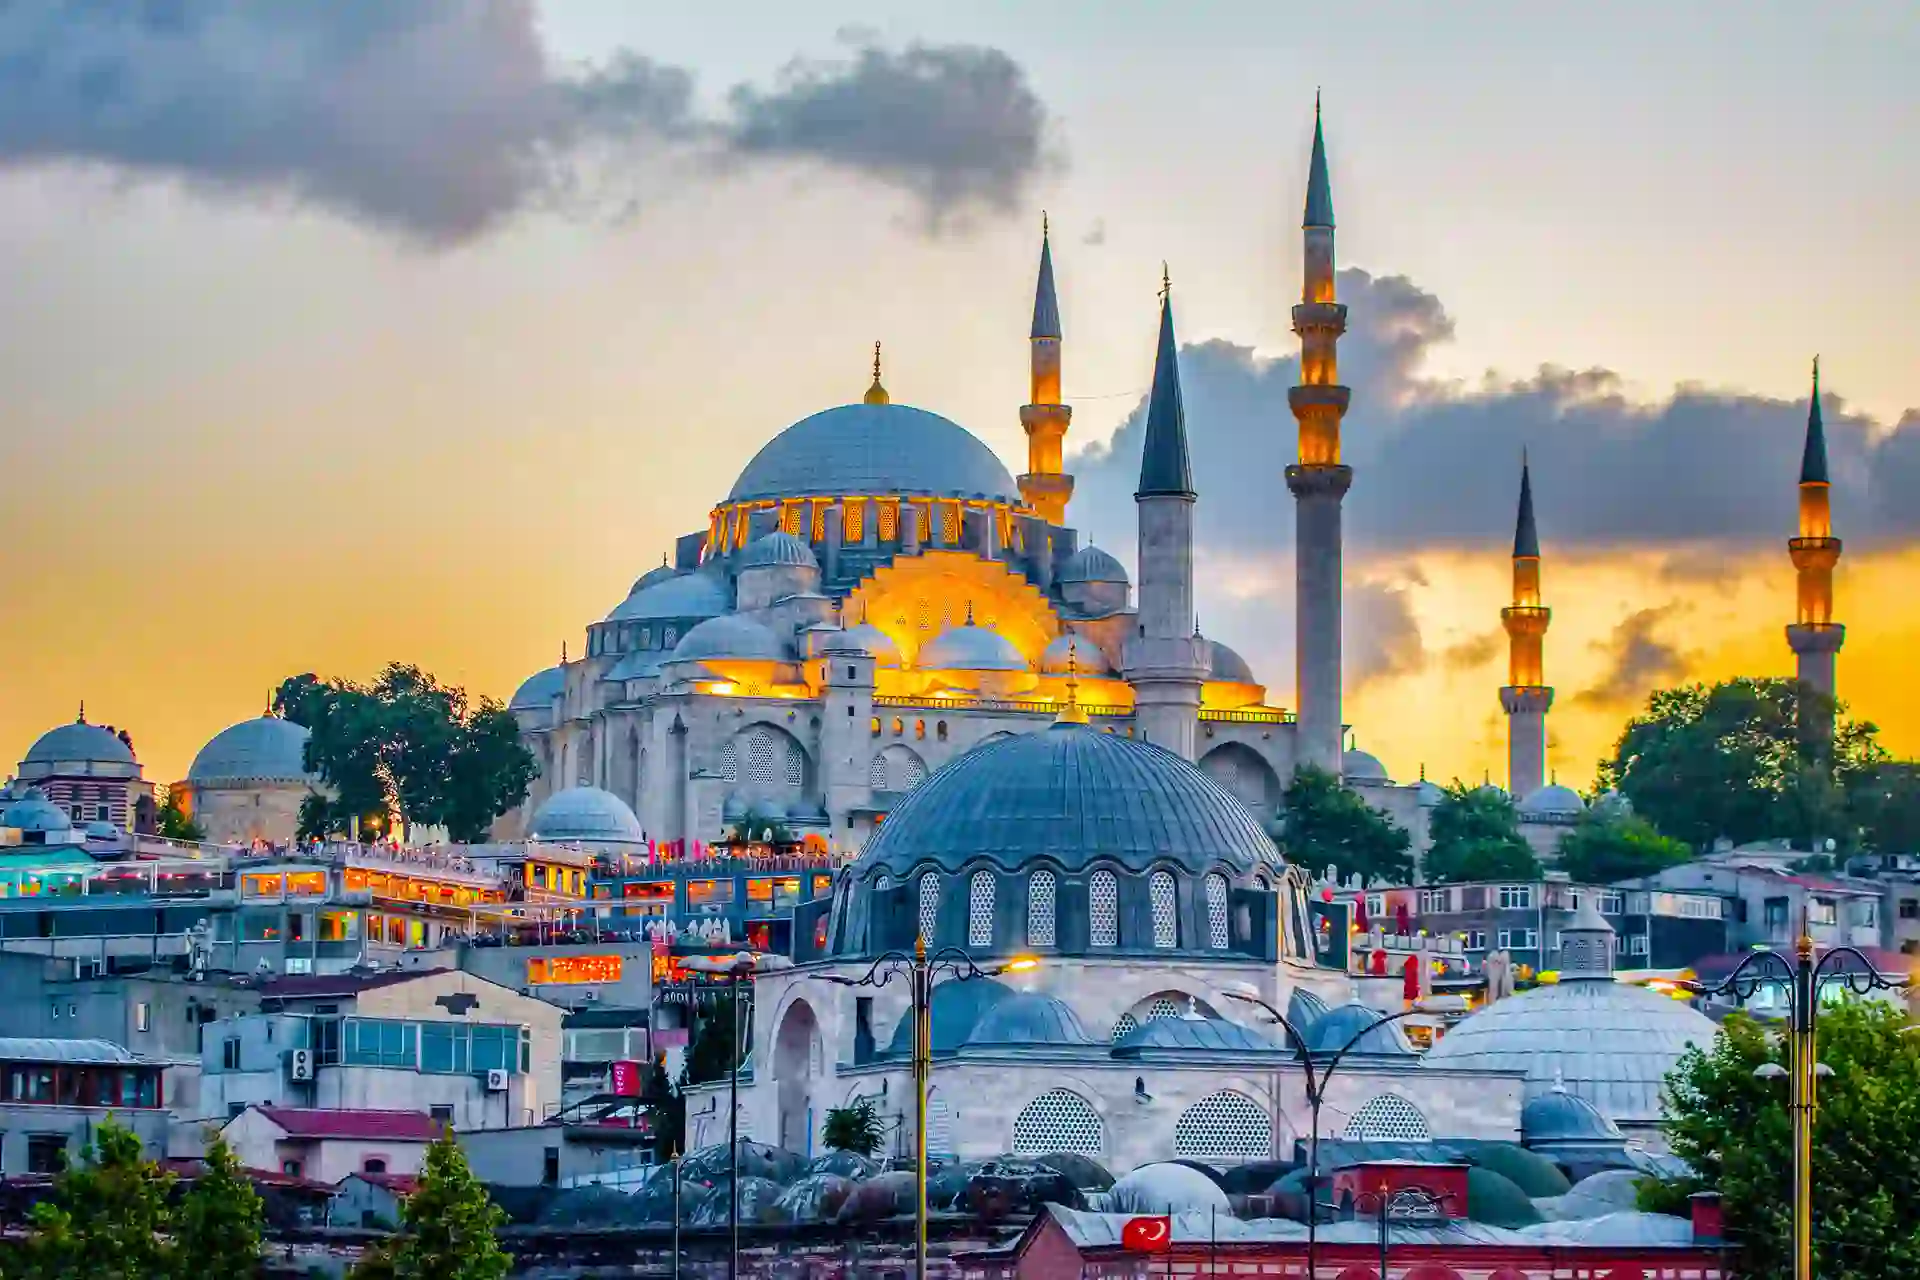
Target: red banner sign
(626, 1079)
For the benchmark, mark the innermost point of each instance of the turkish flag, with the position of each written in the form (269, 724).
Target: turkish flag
(1147, 1235)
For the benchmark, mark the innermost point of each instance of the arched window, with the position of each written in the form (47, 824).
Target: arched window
(1161, 1008)
(1040, 896)
(669, 638)
(1103, 910)
(1058, 1120)
(730, 762)
(797, 765)
(760, 758)
(883, 884)
(899, 727)
(929, 905)
(1388, 1118)
(1217, 935)
(874, 726)
(1166, 931)
(939, 1124)
(940, 731)
(912, 773)
(920, 729)
(980, 910)
(1126, 1023)
(1224, 1124)
(877, 773)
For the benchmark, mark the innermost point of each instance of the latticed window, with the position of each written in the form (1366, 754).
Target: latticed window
(923, 614)
(1126, 1023)
(877, 773)
(1166, 932)
(853, 520)
(1103, 910)
(1388, 1118)
(1161, 1008)
(912, 772)
(790, 518)
(929, 905)
(980, 910)
(883, 884)
(1040, 895)
(670, 637)
(730, 762)
(1217, 935)
(939, 1124)
(819, 529)
(1058, 1120)
(760, 759)
(950, 523)
(796, 765)
(1224, 1124)
(888, 514)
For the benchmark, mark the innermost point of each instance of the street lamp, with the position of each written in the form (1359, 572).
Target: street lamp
(1408, 1203)
(1316, 1094)
(741, 966)
(922, 969)
(1802, 978)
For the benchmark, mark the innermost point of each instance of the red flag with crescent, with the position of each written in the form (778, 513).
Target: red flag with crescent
(1147, 1235)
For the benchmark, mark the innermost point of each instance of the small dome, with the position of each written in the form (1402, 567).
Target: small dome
(1027, 1018)
(79, 742)
(1430, 793)
(1305, 1008)
(1214, 1034)
(861, 635)
(1077, 655)
(874, 449)
(1559, 1116)
(1613, 804)
(1167, 1188)
(955, 1009)
(1553, 801)
(537, 691)
(733, 808)
(1091, 564)
(1334, 1031)
(662, 572)
(778, 549)
(34, 812)
(970, 648)
(1489, 789)
(1229, 666)
(729, 636)
(689, 595)
(1362, 766)
(101, 831)
(585, 813)
(266, 749)
(638, 665)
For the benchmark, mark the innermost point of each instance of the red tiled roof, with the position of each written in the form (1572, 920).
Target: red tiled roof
(315, 986)
(395, 1126)
(401, 1184)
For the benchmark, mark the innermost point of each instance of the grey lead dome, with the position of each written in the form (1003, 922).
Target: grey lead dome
(266, 749)
(879, 449)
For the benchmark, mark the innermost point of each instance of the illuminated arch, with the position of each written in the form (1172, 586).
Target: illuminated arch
(914, 598)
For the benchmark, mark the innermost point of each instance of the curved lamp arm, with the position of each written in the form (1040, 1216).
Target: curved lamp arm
(1358, 1036)
(1860, 981)
(1743, 984)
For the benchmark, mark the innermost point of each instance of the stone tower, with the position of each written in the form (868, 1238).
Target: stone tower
(1164, 660)
(1046, 487)
(1527, 696)
(1319, 480)
(1815, 637)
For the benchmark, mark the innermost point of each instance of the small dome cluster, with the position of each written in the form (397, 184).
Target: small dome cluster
(33, 812)
(730, 636)
(778, 550)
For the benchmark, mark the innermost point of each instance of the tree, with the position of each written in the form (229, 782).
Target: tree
(1476, 836)
(854, 1127)
(710, 1051)
(1702, 763)
(1607, 846)
(217, 1223)
(1886, 806)
(1323, 823)
(174, 824)
(1734, 1131)
(668, 1108)
(447, 1226)
(106, 1218)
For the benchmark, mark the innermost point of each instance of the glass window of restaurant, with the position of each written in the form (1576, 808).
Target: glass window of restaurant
(709, 897)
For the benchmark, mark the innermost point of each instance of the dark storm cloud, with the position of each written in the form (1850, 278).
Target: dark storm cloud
(1637, 660)
(439, 119)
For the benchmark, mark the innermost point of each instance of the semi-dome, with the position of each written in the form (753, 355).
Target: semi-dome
(585, 813)
(538, 690)
(970, 648)
(661, 572)
(266, 749)
(1069, 654)
(953, 1011)
(1208, 1034)
(1167, 1188)
(34, 812)
(1027, 1019)
(79, 742)
(729, 636)
(689, 595)
(778, 549)
(1362, 766)
(881, 449)
(1091, 564)
(1553, 801)
(1225, 664)
(638, 665)
(1305, 1008)
(1338, 1027)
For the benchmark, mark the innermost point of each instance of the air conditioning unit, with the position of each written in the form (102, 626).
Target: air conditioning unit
(496, 1080)
(300, 1064)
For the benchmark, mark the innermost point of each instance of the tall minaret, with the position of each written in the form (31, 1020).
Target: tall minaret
(1164, 660)
(1318, 480)
(1815, 637)
(1046, 487)
(1527, 695)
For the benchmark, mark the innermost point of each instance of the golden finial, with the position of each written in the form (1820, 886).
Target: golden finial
(82, 717)
(563, 653)
(876, 394)
(969, 613)
(1073, 712)
(1043, 224)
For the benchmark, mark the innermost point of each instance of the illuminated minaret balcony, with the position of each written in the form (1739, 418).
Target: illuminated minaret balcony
(1814, 636)
(1046, 487)
(1526, 698)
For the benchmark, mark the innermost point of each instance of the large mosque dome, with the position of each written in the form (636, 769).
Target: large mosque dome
(79, 743)
(586, 813)
(267, 749)
(874, 449)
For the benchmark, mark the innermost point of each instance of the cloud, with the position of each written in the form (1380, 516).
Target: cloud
(437, 120)
(1637, 660)
(1382, 637)
(1095, 235)
(1473, 652)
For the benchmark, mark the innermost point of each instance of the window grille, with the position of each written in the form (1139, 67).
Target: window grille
(1040, 898)
(796, 765)
(950, 523)
(939, 1125)
(883, 884)
(912, 772)
(929, 905)
(1160, 1008)
(1126, 1023)
(980, 910)
(877, 773)
(1224, 1124)
(1058, 1120)
(1388, 1118)
(730, 762)
(1217, 935)
(853, 521)
(760, 759)
(1166, 932)
(889, 520)
(819, 526)
(1103, 910)
(670, 638)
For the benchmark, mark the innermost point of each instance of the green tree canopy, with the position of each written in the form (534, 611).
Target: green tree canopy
(217, 1224)
(854, 1127)
(106, 1218)
(1728, 760)
(1735, 1132)
(174, 824)
(1323, 823)
(1607, 846)
(1476, 836)
(1886, 807)
(406, 744)
(447, 1226)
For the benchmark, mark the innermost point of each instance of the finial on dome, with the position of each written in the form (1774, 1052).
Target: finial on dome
(1166, 281)
(563, 653)
(969, 613)
(876, 394)
(1073, 712)
(82, 717)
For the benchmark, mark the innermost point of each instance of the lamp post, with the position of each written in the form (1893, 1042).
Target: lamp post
(922, 969)
(1802, 977)
(741, 966)
(1316, 1083)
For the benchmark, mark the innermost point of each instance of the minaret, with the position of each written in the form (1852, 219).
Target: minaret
(1527, 696)
(1163, 660)
(1815, 637)
(1319, 480)
(1046, 487)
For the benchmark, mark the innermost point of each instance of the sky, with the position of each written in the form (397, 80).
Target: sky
(363, 332)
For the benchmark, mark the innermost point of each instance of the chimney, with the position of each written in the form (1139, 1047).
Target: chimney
(1706, 1217)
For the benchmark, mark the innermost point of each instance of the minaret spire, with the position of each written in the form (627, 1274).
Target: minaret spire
(876, 394)
(1815, 637)
(1046, 487)
(1318, 480)
(1526, 697)
(1164, 468)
